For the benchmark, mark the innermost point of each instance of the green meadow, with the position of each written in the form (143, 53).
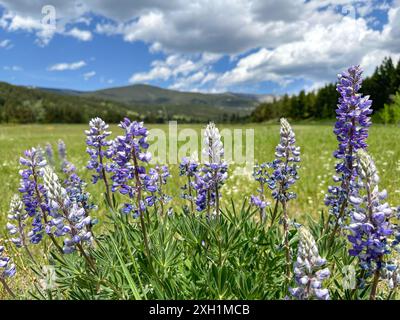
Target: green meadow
(317, 143)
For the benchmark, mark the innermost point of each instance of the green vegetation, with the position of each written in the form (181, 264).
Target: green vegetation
(20, 104)
(317, 143)
(321, 104)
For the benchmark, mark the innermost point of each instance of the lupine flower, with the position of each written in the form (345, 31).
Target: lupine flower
(285, 164)
(68, 219)
(213, 173)
(7, 268)
(262, 176)
(49, 154)
(18, 217)
(351, 130)
(154, 181)
(130, 150)
(189, 168)
(98, 147)
(391, 272)
(33, 193)
(370, 226)
(308, 271)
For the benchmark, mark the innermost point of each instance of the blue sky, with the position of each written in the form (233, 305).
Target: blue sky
(256, 46)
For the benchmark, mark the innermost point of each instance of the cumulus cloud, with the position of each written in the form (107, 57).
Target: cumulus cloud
(274, 40)
(83, 35)
(184, 71)
(67, 66)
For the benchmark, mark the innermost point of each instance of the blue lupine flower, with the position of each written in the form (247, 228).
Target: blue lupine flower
(7, 268)
(369, 227)
(68, 219)
(33, 193)
(391, 273)
(130, 151)
(285, 165)
(98, 147)
(18, 217)
(308, 272)
(213, 173)
(189, 168)
(155, 181)
(261, 175)
(351, 130)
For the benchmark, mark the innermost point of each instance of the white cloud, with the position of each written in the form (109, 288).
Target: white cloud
(89, 75)
(185, 71)
(83, 35)
(67, 66)
(266, 40)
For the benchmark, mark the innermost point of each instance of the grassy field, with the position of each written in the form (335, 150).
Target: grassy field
(317, 143)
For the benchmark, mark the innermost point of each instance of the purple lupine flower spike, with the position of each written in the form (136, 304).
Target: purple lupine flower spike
(351, 129)
(99, 149)
(308, 270)
(262, 176)
(189, 168)
(284, 175)
(17, 225)
(370, 224)
(130, 152)
(7, 268)
(68, 219)
(33, 194)
(17, 217)
(285, 166)
(154, 183)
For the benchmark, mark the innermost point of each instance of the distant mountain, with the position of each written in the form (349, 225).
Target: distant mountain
(151, 95)
(150, 103)
(142, 94)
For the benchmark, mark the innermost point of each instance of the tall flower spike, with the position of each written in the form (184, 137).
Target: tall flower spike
(262, 176)
(351, 130)
(213, 148)
(33, 194)
(130, 153)
(68, 219)
(17, 215)
(129, 157)
(213, 173)
(189, 168)
(155, 182)
(285, 164)
(308, 271)
(284, 175)
(99, 150)
(370, 226)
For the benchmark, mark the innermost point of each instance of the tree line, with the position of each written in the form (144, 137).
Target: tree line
(382, 86)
